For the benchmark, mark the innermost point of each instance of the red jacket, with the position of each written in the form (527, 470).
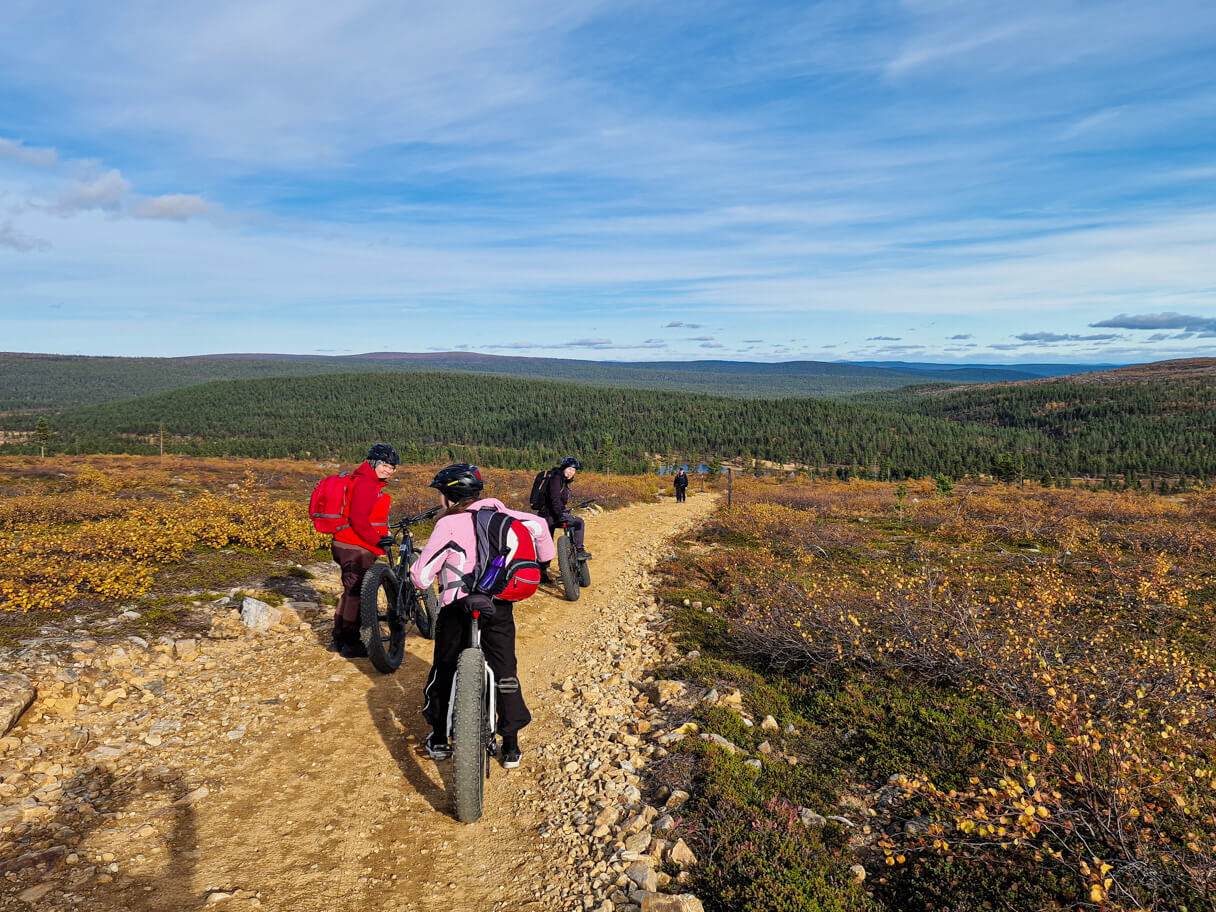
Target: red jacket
(368, 510)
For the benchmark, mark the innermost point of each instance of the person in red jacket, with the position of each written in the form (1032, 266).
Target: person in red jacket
(358, 544)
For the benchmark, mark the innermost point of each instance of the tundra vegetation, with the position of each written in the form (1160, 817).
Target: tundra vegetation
(1012, 688)
(79, 531)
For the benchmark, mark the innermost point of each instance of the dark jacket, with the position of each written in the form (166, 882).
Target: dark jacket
(557, 495)
(681, 480)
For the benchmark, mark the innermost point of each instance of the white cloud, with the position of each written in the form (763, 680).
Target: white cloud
(170, 206)
(14, 239)
(107, 193)
(27, 155)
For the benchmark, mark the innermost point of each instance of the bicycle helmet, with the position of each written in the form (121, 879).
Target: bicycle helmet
(382, 452)
(571, 461)
(458, 482)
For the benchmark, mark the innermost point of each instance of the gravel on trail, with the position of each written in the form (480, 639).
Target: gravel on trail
(250, 768)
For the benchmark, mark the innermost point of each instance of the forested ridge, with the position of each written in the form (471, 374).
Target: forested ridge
(1058, 429)
(39, 382)
(1165, 425)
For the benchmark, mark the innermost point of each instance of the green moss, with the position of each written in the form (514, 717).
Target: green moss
(1011, 882)
(764, 859)
(887, 727)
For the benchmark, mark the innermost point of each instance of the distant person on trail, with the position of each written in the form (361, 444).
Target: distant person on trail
(358, 544)
(681, 484)
(450, 556)
(554, 498)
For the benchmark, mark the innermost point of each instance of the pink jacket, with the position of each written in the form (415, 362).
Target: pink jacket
(451, 551)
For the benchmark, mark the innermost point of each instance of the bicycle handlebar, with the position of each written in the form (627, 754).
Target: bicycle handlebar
(417, 518)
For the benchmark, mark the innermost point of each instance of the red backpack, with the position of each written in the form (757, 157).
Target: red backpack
(506, 557)
(329, 506)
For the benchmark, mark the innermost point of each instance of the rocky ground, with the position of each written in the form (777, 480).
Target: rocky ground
(251, 768)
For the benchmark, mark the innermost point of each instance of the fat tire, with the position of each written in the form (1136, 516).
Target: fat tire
(568, 566)
(584, 574)
(430, 604)
(381, 628)
(469, 736)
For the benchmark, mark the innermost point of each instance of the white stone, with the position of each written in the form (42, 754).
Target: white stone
(257, 615)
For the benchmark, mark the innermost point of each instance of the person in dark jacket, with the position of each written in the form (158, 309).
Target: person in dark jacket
(553, 509)
(681, 484)
(358, 544)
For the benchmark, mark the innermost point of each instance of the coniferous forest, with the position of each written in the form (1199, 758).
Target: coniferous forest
(1155, 426)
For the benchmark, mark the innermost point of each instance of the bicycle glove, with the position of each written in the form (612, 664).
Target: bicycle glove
(385, 541)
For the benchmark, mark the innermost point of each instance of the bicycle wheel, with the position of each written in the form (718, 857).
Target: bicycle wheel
(584, 574)
(381, 626)
(468, 735)
(430, 608)
(568, 565)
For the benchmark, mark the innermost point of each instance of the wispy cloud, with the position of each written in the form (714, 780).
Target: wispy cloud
(1188, 322)
(1050, 337)
(883, 339)
(777, 171)
(13, 239)
(27, 155)
(170, 206)
(107, 193)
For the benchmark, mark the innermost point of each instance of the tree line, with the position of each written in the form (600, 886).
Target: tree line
(515, 423)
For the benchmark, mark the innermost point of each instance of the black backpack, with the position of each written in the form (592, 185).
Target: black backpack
(536, 499)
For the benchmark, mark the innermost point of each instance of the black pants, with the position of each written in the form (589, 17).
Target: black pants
(354, 562)
(680, 494)
(498, 644)
(574, 528)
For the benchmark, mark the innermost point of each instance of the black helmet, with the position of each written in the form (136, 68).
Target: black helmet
(382, 452)
(571, 461)
(458, 482)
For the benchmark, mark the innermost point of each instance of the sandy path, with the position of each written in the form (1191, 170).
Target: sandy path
(332, 805)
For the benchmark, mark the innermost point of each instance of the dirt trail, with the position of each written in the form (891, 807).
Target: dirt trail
(329, 803)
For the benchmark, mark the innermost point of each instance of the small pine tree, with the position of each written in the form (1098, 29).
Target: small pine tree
(606, 455)
(42, 435)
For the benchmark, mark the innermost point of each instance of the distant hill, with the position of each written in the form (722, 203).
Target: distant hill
(1154, 420)
(513, 423)
(41, 381)
(971, 373)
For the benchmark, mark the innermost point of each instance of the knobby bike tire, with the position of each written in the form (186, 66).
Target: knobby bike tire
(584, 574)
(381, 626)
(469, 727)
(430, 605)
(567, 564)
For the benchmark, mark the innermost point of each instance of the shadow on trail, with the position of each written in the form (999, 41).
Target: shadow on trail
(395, 704)
(159, 879)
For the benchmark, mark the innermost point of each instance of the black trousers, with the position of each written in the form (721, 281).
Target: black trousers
(680, 494)
(498, 644)
(574, 527)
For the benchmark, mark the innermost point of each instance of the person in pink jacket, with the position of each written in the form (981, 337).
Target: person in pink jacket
(450, 554)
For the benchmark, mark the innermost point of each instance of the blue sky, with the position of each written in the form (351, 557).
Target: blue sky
(921, 180)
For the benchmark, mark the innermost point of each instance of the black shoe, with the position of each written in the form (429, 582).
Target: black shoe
(335, 645)
(353, 649)
(511, 754)
(546, 579)
(437, 748)
(584, 555)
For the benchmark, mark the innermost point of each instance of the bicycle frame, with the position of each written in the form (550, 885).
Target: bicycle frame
(405, 558)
